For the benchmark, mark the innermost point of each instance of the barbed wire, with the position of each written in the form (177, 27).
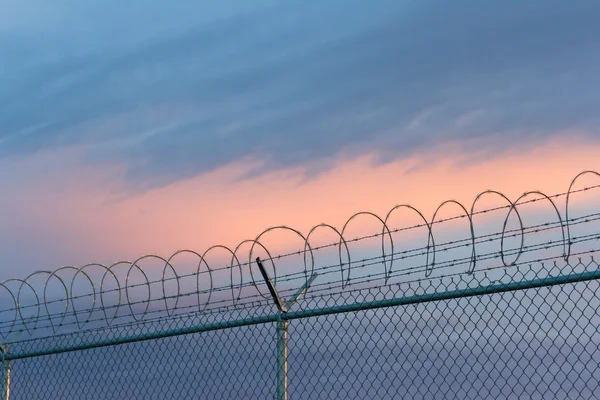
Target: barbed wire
(324, 290)
(204, 274)
(328, 269)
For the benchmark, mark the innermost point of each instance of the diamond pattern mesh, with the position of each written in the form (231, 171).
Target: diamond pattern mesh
(538, 342)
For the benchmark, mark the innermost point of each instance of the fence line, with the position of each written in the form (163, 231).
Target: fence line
(345, 264)
(470, 294)
(316, 312)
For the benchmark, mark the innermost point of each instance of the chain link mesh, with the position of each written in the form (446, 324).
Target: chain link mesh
(538, 342)
(503, 314)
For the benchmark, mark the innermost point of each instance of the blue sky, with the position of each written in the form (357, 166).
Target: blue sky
(134, 127)
(142, 122)
(176, 90)
(148, 126)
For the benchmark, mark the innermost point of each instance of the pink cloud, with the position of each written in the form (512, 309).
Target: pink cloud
(89, 220)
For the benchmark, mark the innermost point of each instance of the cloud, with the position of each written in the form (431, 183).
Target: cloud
(75, 214)
(298, 84)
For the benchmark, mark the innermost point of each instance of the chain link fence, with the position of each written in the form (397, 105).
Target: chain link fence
(516, 319)
(539, 341)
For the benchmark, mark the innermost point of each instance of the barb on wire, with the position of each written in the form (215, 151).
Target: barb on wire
(209, 286)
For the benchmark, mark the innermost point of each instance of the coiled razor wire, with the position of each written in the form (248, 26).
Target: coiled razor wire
(204, 272)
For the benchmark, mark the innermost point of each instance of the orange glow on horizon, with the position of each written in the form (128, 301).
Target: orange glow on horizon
(215, 208)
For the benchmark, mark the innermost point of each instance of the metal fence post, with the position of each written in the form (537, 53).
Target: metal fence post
(282, 328)
(282, 359)
(4, 376)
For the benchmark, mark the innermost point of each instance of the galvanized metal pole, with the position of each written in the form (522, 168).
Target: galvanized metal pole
(282, 328)
(282, 359)
(5, 379)
(5, 364)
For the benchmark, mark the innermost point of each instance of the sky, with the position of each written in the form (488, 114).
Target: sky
(146, 127)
